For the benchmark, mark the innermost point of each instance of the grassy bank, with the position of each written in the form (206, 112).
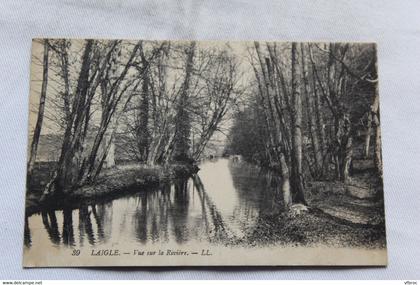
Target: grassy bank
(129, 178)
(111, 183)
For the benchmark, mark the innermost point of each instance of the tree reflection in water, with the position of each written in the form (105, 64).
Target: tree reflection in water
(193, 209)
(49, 220)
(68, 233)
(170, 212)
(179, 210)
(85, 225)
(258, 190)
(220, 231)
(141, 224)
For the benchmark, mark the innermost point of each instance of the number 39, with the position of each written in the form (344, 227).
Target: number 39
(76, 252)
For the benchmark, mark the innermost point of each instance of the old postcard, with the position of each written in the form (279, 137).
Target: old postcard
(188, 153)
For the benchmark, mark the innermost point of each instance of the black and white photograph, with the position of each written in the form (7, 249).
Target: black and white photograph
(204, 153)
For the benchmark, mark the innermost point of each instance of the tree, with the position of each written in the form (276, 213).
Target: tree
(66, 173)
(285, 140)
(373, 121)
(312, 115)
(334, 91)
(143, 132)
(102, 64)
(111, 99)
(181, 145)
(297, 173)
(333, 83)
(219, 81)
(41, 108)
(277, 146)
(378, 140)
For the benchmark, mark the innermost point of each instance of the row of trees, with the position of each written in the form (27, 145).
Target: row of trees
(310, 103)
(158, 95)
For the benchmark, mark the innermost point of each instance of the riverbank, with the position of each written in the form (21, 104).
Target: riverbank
(111, 183)
(231, 203)
(338, 215)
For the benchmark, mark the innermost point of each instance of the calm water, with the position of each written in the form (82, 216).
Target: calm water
(221, 203)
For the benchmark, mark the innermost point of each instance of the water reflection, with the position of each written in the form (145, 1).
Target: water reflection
(85, 226)
(49, 220)
(179, 210)
(223, 202)
(258, 191)
(219, 229)
(68, 233)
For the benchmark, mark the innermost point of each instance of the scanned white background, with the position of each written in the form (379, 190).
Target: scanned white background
(395, 25)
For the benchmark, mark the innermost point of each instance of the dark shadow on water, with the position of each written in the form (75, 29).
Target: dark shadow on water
(49, 220)
(185, 209)
(68, 232)
(179, 210)
(141, 218)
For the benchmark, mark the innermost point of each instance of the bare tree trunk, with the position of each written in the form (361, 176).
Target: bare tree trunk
(160, 129)
(65, 176)
(280, 103)
(278, 131)
(267, 91)
(343, 145)
(72, 144)
(368, 135)
(378, 142)
(312, 120)
(112, 98)
(297, 175)
(143, 133)
(292, 185)
(347, 159)
(378, 148)
(285, 186)
(319, 115)
(274, 136)
(38, 126)
(271, 145)
(182, 146)
(371, 117)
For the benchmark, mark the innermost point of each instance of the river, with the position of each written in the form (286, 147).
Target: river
(219, 205)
